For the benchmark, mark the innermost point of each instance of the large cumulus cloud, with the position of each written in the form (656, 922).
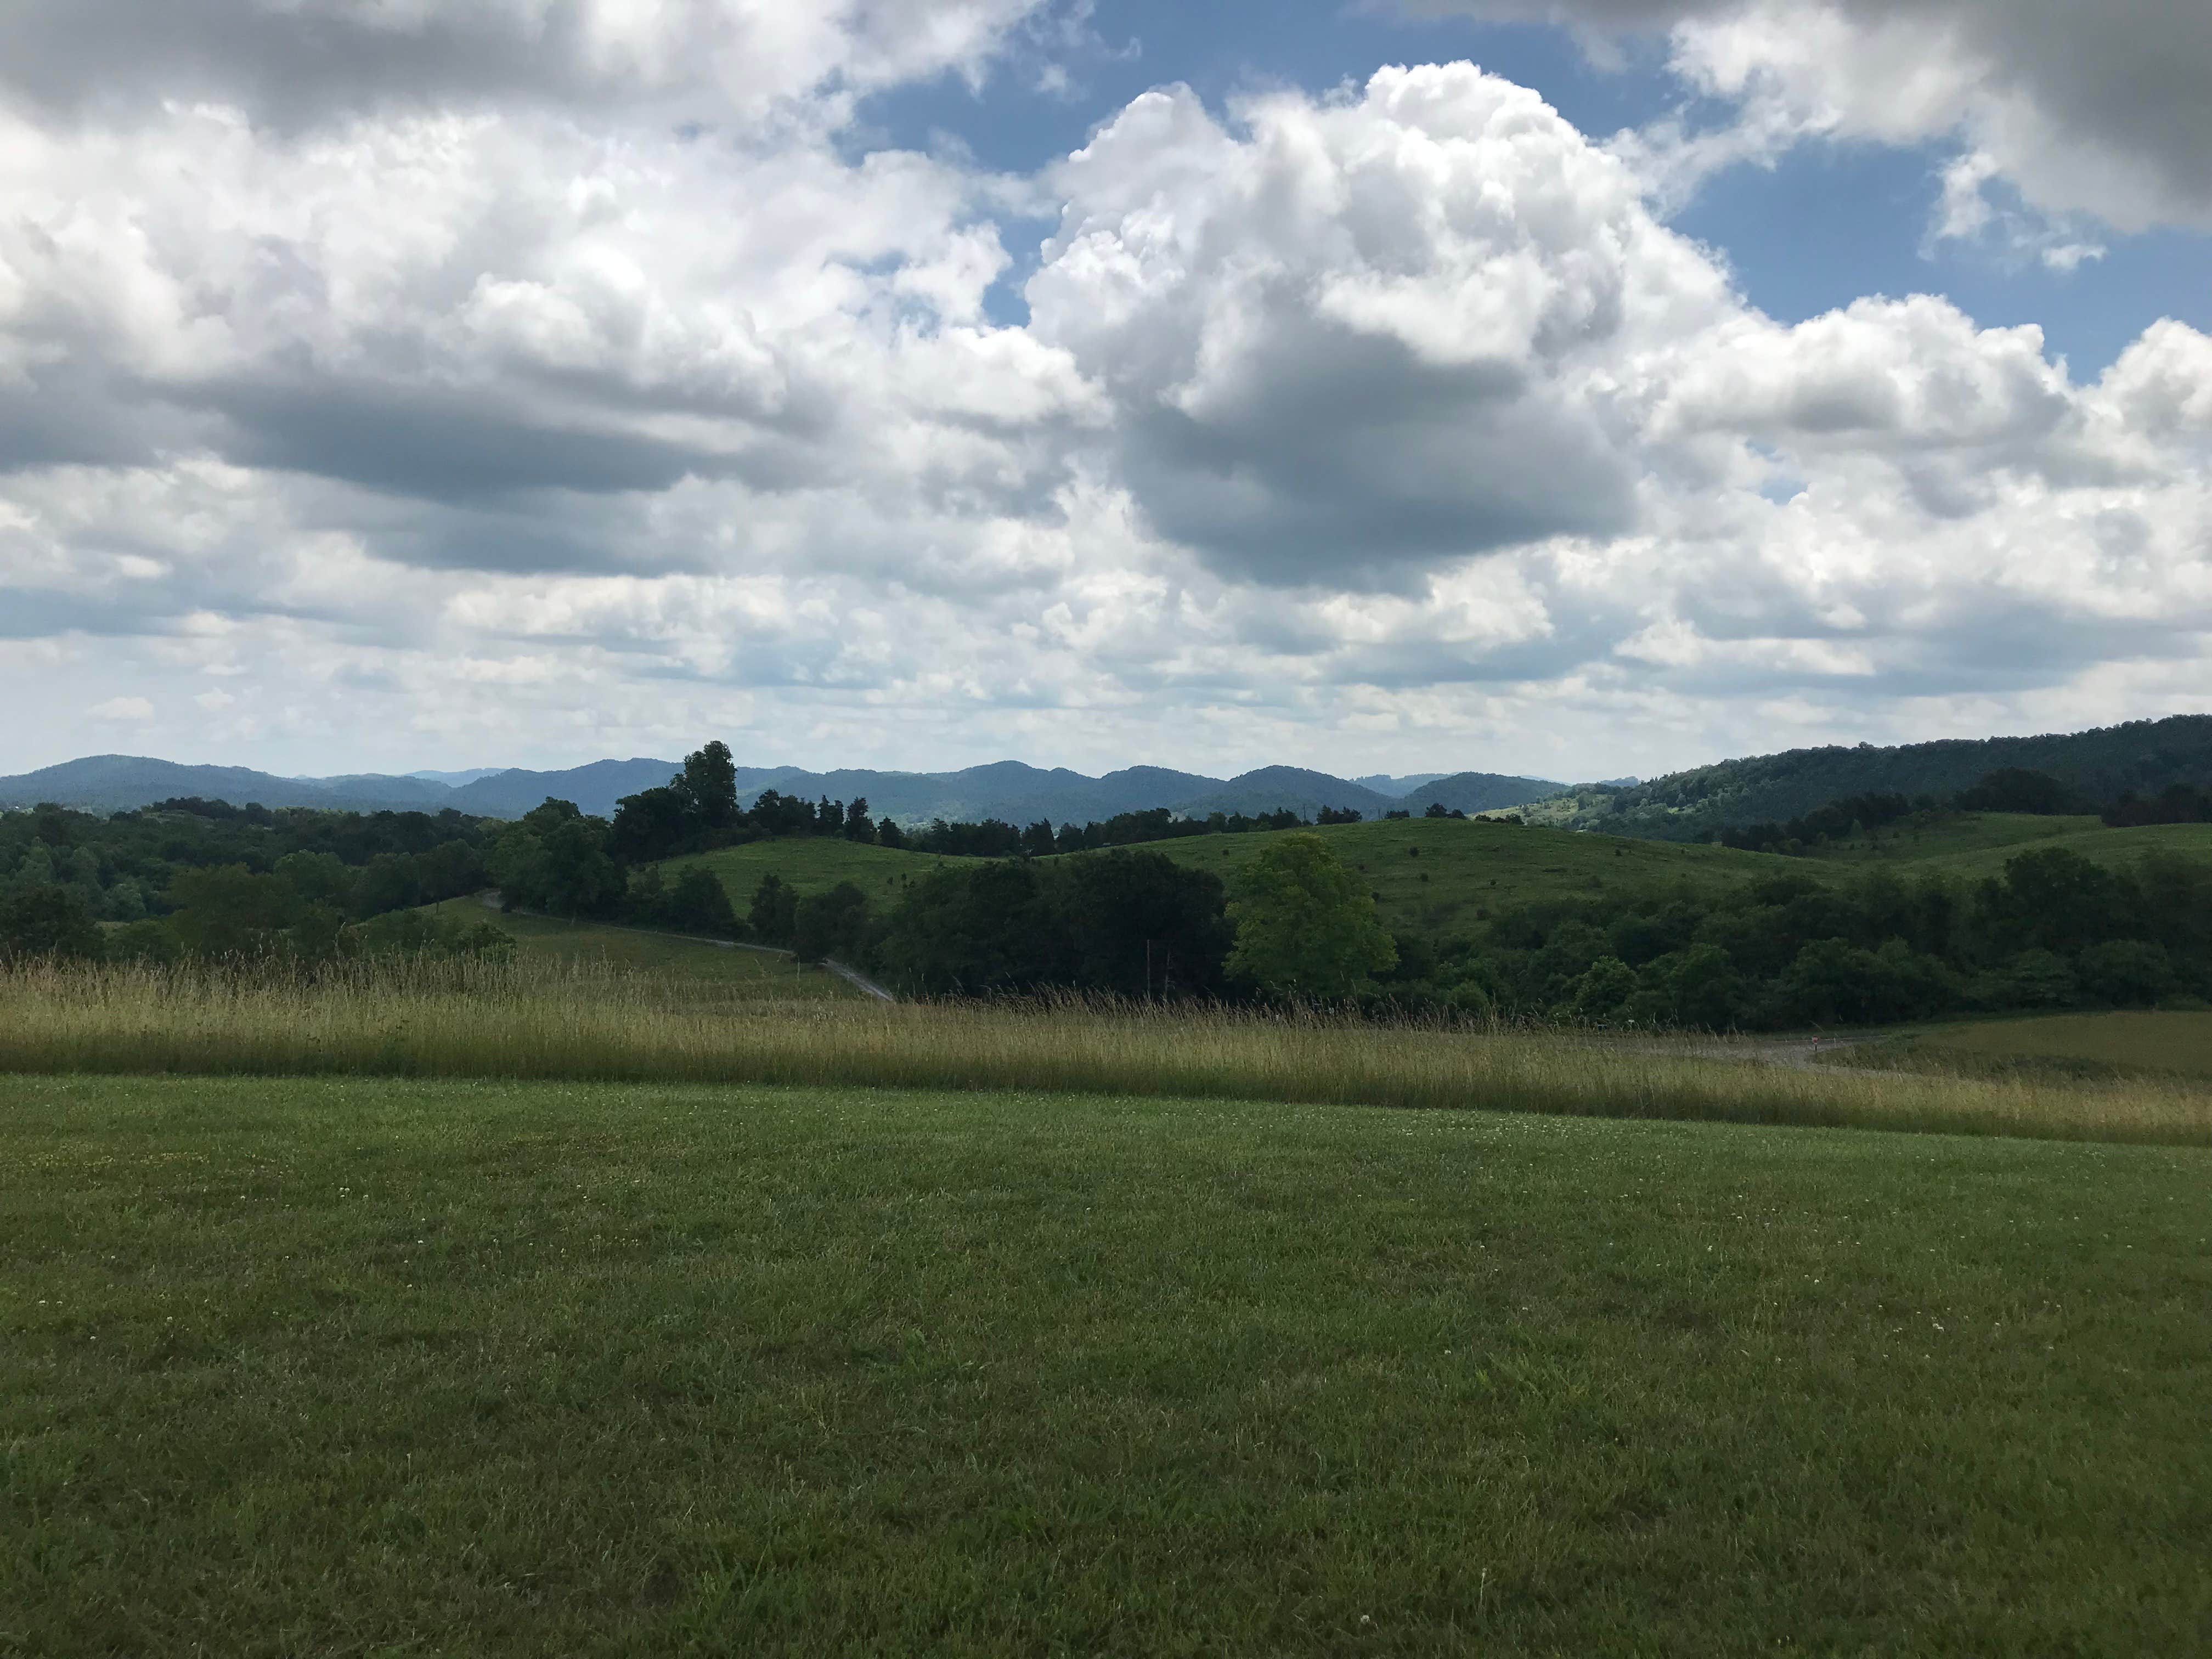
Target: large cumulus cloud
(2096, 110)
(1362, 335)
(525, 416)
(304, 62)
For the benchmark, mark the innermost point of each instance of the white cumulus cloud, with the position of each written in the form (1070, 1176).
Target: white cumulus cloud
(493, 414)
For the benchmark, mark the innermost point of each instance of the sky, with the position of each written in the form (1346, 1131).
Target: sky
(1575, 388)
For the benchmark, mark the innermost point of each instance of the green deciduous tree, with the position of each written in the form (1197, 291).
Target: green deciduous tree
(48, 920)
(698, 903)
(775, 911)
(831, 924)
(229, 911)
(709, 787)
(1305, 926)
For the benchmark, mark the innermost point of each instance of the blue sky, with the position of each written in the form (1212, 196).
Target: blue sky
(1211, 385)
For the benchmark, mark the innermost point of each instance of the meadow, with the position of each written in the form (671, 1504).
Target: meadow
(814, 864)
(1447, 875)
(1443, 876)
(555, 946)
(2118, 1046)
(360, 1366)
(549, 1020)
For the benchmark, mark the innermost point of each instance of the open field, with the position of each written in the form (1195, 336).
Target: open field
(1445, 876)
(2116, 849)
(2174, 1043)
(548, 1021)
(1962, 833)
(814, 864)
(357, 1367)
(1427, 874)
(547, 939)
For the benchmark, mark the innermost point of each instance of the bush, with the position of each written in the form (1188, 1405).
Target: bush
(421, 933)
(774, 916)
(48, 920)
(150, 942)
(2127, 973)
(831, 924)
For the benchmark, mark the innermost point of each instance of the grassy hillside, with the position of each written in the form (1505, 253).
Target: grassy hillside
(1960, 833)
(2167, 1043)
(1447, 875)
(542, 938)
(2114, 848)
(352, 1366)
(813, 864)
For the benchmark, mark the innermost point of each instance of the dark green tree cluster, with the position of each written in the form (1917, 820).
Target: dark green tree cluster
(121, 866)
(1130, 924)
(2181, 804)
(2056, 930)
(2009, 789)
(211, 878)
(697, 810)
(1161, 823)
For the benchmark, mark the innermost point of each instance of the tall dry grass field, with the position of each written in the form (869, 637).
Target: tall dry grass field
(577, 1021)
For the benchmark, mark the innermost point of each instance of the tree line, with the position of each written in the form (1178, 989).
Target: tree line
(1853, 817)
(209, 877)
(2056, 930)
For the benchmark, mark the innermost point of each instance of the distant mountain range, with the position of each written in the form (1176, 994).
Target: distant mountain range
(1004, 789)
(2142, 756)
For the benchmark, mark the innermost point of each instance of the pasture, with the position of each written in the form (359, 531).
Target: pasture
(2119, 1045)
(813, 864)
(2116, 849)
(551, 942)
(1442, 876)
(1447, 875)
(582, 1021)
(390, 1366)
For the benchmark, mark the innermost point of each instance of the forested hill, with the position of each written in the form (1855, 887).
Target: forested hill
(123, 783)
(2141, 757)
(1477, 792)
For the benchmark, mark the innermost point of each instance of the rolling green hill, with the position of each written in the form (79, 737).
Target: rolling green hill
(2114, 848)
(1441, 875)
(814, 864)
(1958, 834)
(1447, 875)
(726, 968)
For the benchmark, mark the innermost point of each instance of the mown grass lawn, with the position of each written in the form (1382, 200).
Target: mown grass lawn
(376, 1367)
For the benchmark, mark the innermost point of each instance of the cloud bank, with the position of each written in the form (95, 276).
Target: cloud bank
(440, 382)
(2089, 111)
